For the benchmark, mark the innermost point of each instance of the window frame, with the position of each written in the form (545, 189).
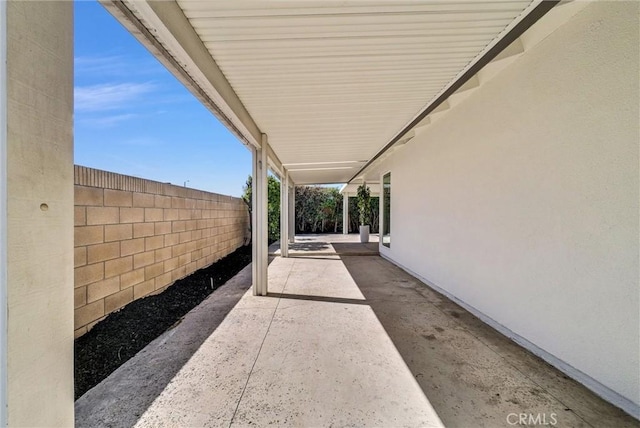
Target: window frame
(385, 231)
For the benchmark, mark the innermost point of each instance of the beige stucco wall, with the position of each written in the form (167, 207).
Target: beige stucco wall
(522, 200)
(40, 237)
(135, 237)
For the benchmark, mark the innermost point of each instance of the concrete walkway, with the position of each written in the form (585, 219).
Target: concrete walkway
(340, 341)
(329, 244)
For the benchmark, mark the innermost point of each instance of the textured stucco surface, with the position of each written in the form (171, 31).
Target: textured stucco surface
(40, 213)
(522, 200)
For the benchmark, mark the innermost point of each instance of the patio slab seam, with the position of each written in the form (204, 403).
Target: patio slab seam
(264, 338)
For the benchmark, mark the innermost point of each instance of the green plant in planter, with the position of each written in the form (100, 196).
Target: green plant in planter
(364, 203)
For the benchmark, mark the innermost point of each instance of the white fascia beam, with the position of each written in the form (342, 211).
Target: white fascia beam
(165, 31)
(315, 183)
(274, 162)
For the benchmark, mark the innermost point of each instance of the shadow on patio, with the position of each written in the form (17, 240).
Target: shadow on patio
(124, 396)
(339, 341)
(472, 374)
(329, 244)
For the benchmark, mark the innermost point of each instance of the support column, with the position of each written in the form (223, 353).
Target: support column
(37, 214)
(292, 215)
(284, 214)
(345, 214)
(3, 214)
(259, 236)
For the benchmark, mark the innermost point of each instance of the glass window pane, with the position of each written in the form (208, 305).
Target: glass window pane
(386, 210)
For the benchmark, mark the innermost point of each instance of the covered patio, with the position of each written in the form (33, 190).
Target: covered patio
(504, 138)
(340, 340)
(328, 245)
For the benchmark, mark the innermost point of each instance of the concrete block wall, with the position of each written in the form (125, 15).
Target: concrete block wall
(135, 237)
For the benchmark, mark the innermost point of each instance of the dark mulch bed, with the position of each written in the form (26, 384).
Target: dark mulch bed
(122, 334)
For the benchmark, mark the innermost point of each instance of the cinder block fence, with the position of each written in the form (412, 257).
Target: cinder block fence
(135, 237)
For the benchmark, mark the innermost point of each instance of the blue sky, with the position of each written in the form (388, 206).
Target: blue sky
(133, 117)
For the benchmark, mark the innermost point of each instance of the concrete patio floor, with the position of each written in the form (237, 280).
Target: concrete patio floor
(341, 340)
(329, 244)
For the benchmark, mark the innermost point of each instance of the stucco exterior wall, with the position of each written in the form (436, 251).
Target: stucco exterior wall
(522, 201)
(40, 213)
(135, 237)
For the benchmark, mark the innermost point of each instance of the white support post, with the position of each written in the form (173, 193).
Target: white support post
(255, 262)
(345, 214)
(284, 214)
(259, 236)
(36, 214)
(3, 214)
(292, 214)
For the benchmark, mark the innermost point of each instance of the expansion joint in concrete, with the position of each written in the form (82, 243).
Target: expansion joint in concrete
(266, 333)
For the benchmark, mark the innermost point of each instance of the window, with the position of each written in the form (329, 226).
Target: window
(386, 210)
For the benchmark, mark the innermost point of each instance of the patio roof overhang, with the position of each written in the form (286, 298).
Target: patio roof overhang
(334, 85)
(351, 189)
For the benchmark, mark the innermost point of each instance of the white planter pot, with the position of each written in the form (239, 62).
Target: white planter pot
(364, 234)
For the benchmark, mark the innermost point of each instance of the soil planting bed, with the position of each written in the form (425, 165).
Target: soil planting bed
(122, 334)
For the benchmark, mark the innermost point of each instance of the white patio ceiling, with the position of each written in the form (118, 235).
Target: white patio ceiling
(330, 82)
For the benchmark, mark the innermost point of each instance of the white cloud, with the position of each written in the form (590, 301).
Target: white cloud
(114, 65)
(99, 64)
(109, 96)
(108, 121)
